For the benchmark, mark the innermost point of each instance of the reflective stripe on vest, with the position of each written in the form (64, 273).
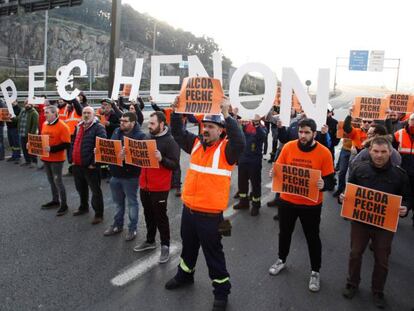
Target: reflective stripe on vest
(214, 168)
(405, 145)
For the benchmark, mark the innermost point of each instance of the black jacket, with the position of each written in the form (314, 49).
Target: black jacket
(13, 123)
(185, 139)
(88, 142)
(113, 123)
(332, 123)
(390, 179)
(126, 171)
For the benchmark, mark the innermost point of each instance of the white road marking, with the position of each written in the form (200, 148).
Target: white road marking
(141, 266)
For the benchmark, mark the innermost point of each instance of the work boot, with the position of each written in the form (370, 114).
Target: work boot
(97, 220)
(349, 291)
(62, 210)
(174, 283)
(219, 304)
(255, 207)
(50, 205)
(243, 204)
(80, 211)
(379, 300)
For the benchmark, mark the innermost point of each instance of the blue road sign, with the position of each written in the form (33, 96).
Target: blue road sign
(358, 60)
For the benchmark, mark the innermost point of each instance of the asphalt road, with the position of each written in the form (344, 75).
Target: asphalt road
(65, 263)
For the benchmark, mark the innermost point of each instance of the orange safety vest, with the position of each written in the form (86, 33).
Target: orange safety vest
(63, 113)
(207, 183)
(73, 120)
(405, 145)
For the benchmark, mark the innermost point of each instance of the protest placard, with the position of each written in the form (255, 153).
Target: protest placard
(37, 145)
(200, 95)
(401, 103)
(371, 108)
(141, 153)
(108, 151)
(372, 207)
(296, 180)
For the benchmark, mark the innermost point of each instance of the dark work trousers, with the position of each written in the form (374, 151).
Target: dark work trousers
(381, 242)
(91, 177)
(176, 176)
(202, 229)
(13, 137)
(343, 161)
(411, 178)
(250, 171)
(310, 218)
(54, 176)
(27, 157)
(155, 212)
(265, 144)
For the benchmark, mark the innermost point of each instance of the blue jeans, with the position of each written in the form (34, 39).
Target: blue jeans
(343, 161)
(13, 137)
(121, 188)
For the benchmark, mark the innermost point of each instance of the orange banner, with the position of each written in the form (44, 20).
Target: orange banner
(4, 115)
(37, 145)
(296, 180)
(376, 208)
(141, 153)
(401, 103)
(372, 108)
(200, 95)
(108, 151)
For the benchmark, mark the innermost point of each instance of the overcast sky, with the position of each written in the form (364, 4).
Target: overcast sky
(305, 35)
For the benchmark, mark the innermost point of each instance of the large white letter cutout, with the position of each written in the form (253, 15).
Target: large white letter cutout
(135, 80)
(64, 78)
(35, 84)
(157, 79)
(196, 68)
(9, 99)
(317, 112)
(270, 81)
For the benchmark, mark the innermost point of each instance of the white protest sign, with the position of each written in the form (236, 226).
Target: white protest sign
(33, 83)
(157, 79)
(9, 99)
(196, 68)
(376, 60)
(317, 111)
(64, 78)
(270, 81)
(134, 81)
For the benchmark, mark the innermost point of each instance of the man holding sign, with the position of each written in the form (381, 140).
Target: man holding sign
(205, 197)
(296, 202)
(85, 171)
(124, 180)
(59, 141)
(376, 174)
(155, 185)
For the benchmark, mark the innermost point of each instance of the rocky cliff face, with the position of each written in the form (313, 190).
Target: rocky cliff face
(23, 38)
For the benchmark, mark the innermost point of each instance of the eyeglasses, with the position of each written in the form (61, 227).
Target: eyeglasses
(366, 121)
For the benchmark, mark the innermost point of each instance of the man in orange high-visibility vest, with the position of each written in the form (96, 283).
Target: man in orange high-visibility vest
(205, 197)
